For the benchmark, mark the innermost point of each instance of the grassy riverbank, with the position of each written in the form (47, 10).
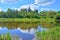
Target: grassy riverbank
(19, 20)
(51, 34)
(26, 20)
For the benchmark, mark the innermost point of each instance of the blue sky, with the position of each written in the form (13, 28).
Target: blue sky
(33, 4)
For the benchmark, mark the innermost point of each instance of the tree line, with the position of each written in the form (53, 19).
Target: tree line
(28, 13)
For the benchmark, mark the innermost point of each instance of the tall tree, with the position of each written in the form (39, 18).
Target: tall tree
(9, 13)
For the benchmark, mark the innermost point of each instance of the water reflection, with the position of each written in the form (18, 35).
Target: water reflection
(24, 31)
(19, 33)
(31, 31)
(28, 25)
(41, 29)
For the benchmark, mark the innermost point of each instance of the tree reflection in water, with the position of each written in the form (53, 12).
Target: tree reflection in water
(28, 25)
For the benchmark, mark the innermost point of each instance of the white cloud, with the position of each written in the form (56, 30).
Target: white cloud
(43, 2)
(24, 6)
(0, 9)
(36, 5)
(47, 9)
(32, 6)
(2, 1)
(43, 9)
(9, 1)
(17, 9)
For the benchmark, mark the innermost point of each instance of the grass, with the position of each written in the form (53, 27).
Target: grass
(47, 19)
(25, 20)
(51, 34)
(5, 37)
(19, 20)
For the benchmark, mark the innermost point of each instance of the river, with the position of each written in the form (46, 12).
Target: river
(21, 31)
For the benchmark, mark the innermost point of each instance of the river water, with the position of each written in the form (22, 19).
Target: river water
(21, 31)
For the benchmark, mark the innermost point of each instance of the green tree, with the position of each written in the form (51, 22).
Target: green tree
(43, 14)
(9, 13)
(51, 14)
(57, 16)
(23, 13)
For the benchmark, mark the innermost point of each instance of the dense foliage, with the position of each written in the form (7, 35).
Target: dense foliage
(52, 34)
(27, 13)
(23, 13)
